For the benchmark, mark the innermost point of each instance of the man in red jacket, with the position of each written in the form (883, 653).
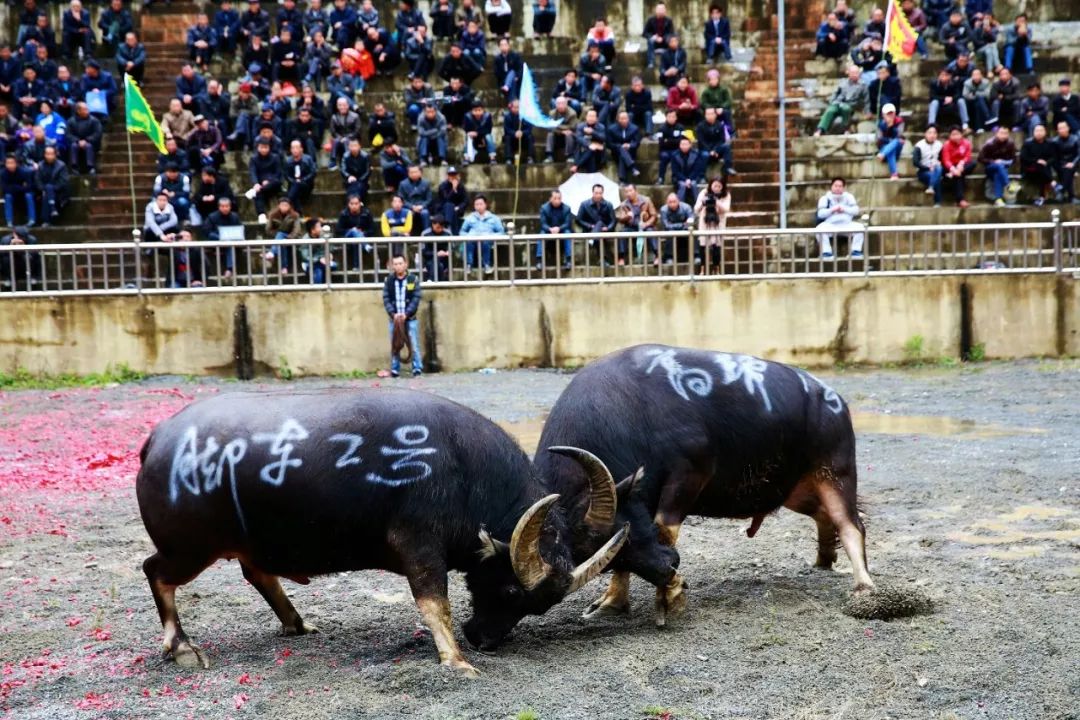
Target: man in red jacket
(958, 164)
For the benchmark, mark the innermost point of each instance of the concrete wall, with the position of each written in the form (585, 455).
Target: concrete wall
(806, 321)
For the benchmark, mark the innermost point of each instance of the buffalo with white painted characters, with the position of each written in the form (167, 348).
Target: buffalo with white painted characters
(303, 484)
(717, 435)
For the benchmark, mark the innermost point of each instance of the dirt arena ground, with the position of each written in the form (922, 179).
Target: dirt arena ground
(972, 483)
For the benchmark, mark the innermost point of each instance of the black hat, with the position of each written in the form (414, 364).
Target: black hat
(1064, 82)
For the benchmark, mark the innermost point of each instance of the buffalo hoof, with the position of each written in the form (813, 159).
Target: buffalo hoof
(603, 608)
(187, 655)
(302, 629)
(463, 667)
(670, 600)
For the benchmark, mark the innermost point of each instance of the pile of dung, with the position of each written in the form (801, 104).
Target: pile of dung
(887, 601)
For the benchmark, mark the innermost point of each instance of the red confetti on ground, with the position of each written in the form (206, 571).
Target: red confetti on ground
(240, 700)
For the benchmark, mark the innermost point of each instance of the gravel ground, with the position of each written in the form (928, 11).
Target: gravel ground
(970, 477)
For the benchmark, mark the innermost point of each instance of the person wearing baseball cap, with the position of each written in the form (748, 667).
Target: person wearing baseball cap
(890, 138)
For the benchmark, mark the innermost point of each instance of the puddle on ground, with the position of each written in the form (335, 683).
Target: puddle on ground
(526, 432)
(1024, 524)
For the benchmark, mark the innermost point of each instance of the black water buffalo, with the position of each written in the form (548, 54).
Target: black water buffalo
(303, 484)
(718, 435)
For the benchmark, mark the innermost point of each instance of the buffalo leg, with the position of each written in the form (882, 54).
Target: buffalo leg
(270, 588)
(845, 516)
(428, 584)
(615, 600)
(164, 576)
(671, 598)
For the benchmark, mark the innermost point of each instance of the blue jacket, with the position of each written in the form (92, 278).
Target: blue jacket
(483, 127)
(196, 33)
(125, 54)
(18, 182)
(512, 123)
(596, 217)
(560, 217)
(489, 224)
(226, 23)
(195, 86)
(720, 29)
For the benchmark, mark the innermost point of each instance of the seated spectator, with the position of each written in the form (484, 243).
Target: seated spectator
(205, 144)
(591, 67)
(266, 173)
(957, 163)
(318, 59)
(601, 36)
(14, 266)
(1034, 109)
(442, 20)
(639, 104)
(938, 12)
(415, 193)
(636, 213)
(846, 16)
(260, 86)
(355, 166)
(961, 67)
(451, 200)
(658, 30)
(315, 20)
(997, 156)
(78, 32)
(836, 213)
(1005, 103)
(590, 129)
(115, 22)
(84, 140)
(381, 125)
(254, 22)
(890, 139)
(367, 16)
(473, 44)
(508, 70)
(17, 184)
(884, 90)
(11, 68)
(177, 187)
(212, 187)
(408, 22)
(201, 42)
(382, 50)
(955, 35)
(343, 84)
(1066, 106)
(286, 58)
(945, 96)
(714, 141)
(499, 15)
(283, 223)
(29, 91)
(479, 133)
(9, 129)
(160, 222)
(44, 67)
(543, 17)
(975, 8)
(1018, 44)
(270, 131)
(1066, 155)
(131, 57)
(64, 92)
(977, 94)
(850, 96)
(355, 221)
(102, 81)
(984, 34)
(431, 137)
(589, 155)
(917, 19)
(832, 38)
(876, 24)
(672, 62)
(32, 152)
(564, 133)
(517, 135)
(711, 208)
(256, 55)
(926, 157)
(344, 127)
(669, 137)
(457, 100)
(687, 170)
(244, 110)
(683, 99)
(596, 215)
(42, 33)
(299, 172)
(214, 106)
(866, 56)
(227, 26)
(456, 65)
(345, 24)
(434, 251)
(51, 182)
(481, 222)
(571, 88)
(307, 130)
(624, 139)
(394, 165)
(177, 122)
(675, 216)
(420, 53)
(555, 219)
(606, 100)
(718, 96)
(224, 216)
(717, 35)
(53, 124)
(1038, 156)
(189, 85)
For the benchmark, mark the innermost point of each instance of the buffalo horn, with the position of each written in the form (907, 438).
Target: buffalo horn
(529, 566)
(595, 565)
(601, 513)
(627, 483)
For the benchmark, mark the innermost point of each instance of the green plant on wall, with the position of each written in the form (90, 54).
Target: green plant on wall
(913, 350)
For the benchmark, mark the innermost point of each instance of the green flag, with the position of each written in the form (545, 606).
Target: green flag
(140, 118)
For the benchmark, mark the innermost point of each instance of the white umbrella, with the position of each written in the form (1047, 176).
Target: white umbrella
(578, 188)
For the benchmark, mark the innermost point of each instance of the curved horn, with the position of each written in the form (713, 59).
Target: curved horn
(592, 567)
(529, 566)
(601, 513)
(627, 483)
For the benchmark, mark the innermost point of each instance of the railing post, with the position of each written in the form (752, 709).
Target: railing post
(136, 236)
(1059, 258)
(325, 232)
(513, 250)
(865, 218)
(692, 256)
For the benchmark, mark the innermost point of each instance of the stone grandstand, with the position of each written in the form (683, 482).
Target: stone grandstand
(100, 209)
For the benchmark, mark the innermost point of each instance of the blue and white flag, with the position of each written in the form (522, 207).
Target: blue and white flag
(530, 109)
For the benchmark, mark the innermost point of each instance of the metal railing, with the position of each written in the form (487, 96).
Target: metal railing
(326, 263)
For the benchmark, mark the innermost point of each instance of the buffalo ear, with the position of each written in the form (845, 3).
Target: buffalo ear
(625, 487)
(489, 546)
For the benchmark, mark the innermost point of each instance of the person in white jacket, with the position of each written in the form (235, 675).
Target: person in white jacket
(836, 212)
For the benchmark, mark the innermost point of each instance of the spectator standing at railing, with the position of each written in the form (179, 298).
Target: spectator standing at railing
(984, 35)
(1018, 44)
(1066, 156)
(672, 62)
(555, 219)
(977, 94)
(401, 300)
(283, 223)
(1034, 109)
(416, 194)
(675, 216)
(958, 163)
(435, 252)
(544, 13)
(836, 213)
(997, 156)
(890, 139)
(315, 258)
(1005, 106)
(22, 263)
(717, 35)
(51, 181)
(636, 213)
(712, 207)
(926, 157)
(481, 222)
(1066, 106)
(355, 168)
(832, 38)
(1038, 156)
(224, 216)
(658, 29)
(451, 200)
(850, 96)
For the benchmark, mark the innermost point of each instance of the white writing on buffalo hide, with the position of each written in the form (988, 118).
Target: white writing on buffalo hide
(828, 395)
(683, 380)
(190, 465)
(750, 370)
(281, 444)
(408, 468)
